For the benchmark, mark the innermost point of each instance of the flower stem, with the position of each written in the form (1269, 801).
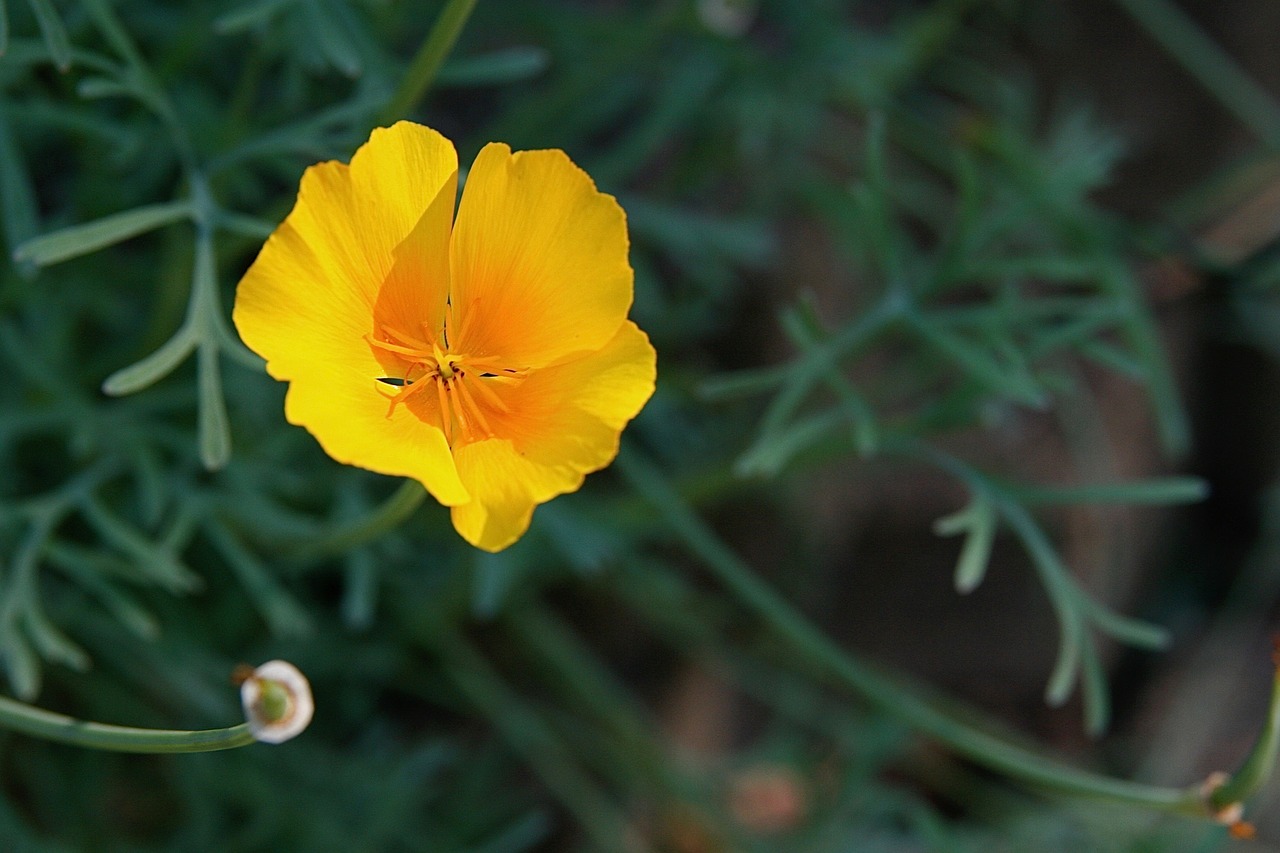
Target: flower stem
(889, 695)
(20, 717)
(425, 65)
(1256, 768)
(384, 519)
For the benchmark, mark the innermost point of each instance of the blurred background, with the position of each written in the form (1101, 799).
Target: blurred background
(967, 321)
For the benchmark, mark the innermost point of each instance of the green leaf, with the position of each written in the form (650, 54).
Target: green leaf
(152, 560)
(104, 87)
(1161, 491)
(491, 69)
(1009, 380)
(53, 645)
(284, 616)
(742, 383)
(55, 35)
(1066, 670)
(360, 590)
(21, 665)
(215, 431)
(17, 196)
(332, 38)
(978, 520)
(82, 239)
(249, 15)
(154, 367)
(4, 27)
(92, 578)
(773, 450)
(495, 575)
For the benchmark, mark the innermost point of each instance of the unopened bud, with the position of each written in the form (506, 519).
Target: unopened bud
(277, 701)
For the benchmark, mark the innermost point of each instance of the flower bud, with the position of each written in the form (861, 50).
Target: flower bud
(277, 701)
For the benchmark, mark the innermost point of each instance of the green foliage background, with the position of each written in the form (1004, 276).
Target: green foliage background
(867, 238)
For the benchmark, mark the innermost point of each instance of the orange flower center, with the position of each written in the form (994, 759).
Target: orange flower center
(464, 384)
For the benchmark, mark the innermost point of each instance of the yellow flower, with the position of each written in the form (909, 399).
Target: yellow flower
(490, 358)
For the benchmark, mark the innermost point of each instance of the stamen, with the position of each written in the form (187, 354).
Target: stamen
(490, 396)
(446, 413)
(462, 401)
(470, 403)
(459, 407)
(422, 345)
(406, 391)
(419, 355)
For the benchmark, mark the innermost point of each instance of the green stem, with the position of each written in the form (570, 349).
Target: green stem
(384, 519)
(20, 717)
(890, 696)
(529, 734)
(158, 99)
(1256, 769)
(1210, 65)
(425, 65)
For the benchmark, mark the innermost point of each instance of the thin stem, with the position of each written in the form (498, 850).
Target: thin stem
(1204, 60)
(890, 696)
(528, 733)
(402, 504)
(20, 717)
(1257, 766)
(116, 34)
(426, 64)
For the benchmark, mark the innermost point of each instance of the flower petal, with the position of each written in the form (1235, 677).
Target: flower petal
(345, 409)
(308, 301)
(412, 300)
(539, 259)
(564, 422)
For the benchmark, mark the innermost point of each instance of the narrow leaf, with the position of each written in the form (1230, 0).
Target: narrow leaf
(248, 15)
(153, 368)
(773, 450)
(153, 561)
(103, 87)
(1097, 697)
(978, 520)
(1067, 668)
(495, 575)
(90, 577)
(1126, 629)
(53, 645)
(501, 66)
(215, 431)
(17, 196)
(55, 35)
(284, 616)
(21, 665)
(91, 236)
(334, 42)
(1160, 491)
(360, 590)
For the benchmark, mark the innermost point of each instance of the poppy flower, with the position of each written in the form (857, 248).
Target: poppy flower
(489, 356)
